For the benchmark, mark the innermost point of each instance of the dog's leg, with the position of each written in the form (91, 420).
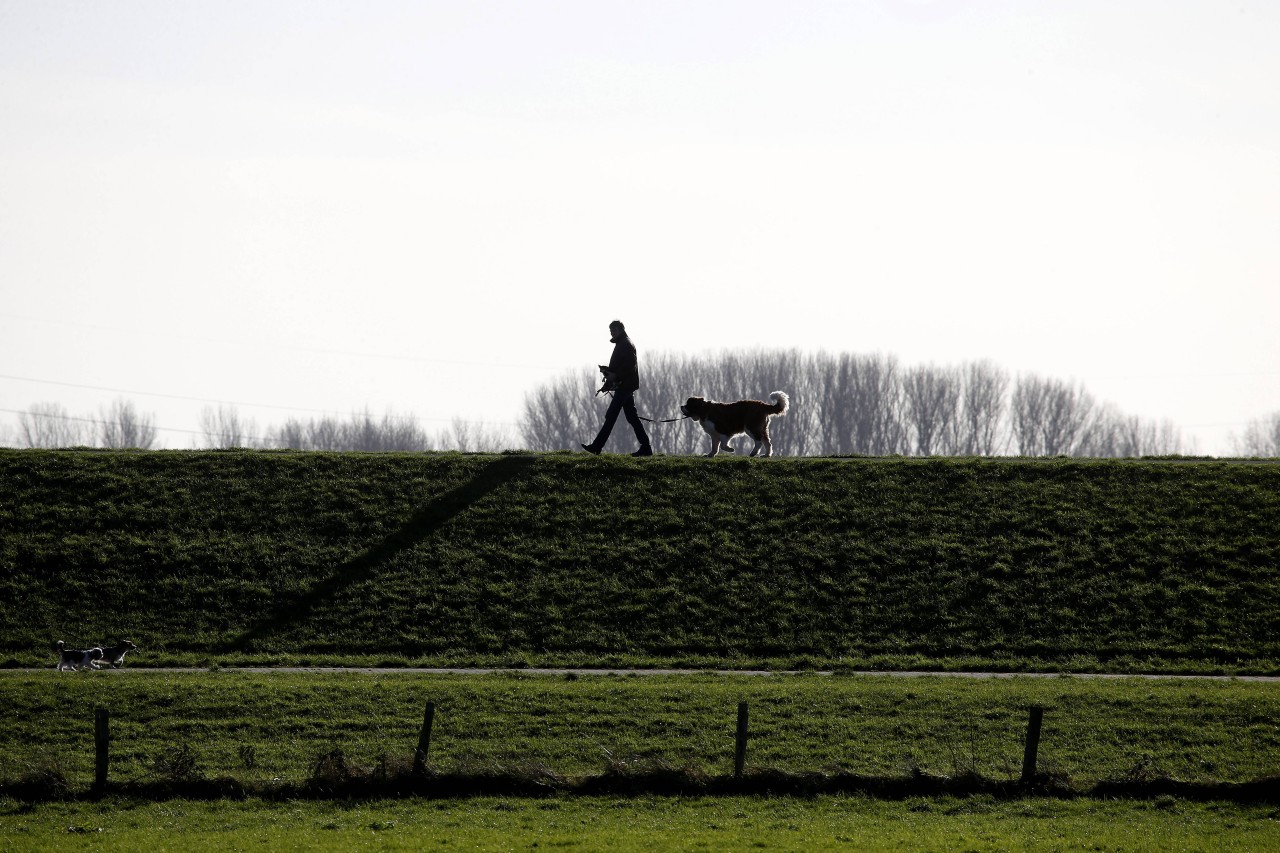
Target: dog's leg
(765, 440)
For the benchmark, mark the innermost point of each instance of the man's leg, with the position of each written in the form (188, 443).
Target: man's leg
(633, 418)
(610, 416)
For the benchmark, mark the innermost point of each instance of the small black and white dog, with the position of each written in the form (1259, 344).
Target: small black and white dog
(76, 659)
(113, 656)
(608, 380)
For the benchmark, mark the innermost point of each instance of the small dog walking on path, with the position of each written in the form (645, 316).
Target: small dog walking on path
(77, 659)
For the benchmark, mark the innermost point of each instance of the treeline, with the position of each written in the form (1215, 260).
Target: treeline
(842, 404)
(1260, 438)
(846, 404)
(223, 426)
(121, 425)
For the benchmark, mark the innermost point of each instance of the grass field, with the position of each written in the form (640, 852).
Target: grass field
(644, 824)
(260, 727)
(513, 560)
(222, 558)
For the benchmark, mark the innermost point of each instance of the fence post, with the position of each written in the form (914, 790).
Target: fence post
(740, 754)
(424, 740)
(102, 748)
(1033, 745)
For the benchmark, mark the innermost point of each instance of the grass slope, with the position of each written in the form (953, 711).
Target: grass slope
(255, 727)
(541, 559)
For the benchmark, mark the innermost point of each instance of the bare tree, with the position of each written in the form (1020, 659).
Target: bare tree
(293, 434)
(982, 410)
(328, 433)
(49, 425)
(474, 437)
(858, 401)
(1260, 438)
(1068, 418)
(122, 426)
(402, 432)
(1114, 434)
(1051, 417)
(360, 432)
(931, 397)
(558, 416)
(224, 427)
(1027, 409)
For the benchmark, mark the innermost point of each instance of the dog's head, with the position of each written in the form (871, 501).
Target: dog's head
(94, 653)
(125, 646)
(694, 407)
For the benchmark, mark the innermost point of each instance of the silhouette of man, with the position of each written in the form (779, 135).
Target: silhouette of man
(626, 381)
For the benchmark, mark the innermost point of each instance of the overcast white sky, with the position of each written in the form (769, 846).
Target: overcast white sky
(436, 206)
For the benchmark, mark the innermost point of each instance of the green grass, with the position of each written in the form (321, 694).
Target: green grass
(645, 824)
(260, 727)
(276, 557)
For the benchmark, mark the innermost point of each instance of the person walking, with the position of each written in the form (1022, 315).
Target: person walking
(626, 378)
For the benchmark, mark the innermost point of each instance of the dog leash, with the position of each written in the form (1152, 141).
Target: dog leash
(642, 417)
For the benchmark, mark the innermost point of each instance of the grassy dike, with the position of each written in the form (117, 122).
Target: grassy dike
(514, 560)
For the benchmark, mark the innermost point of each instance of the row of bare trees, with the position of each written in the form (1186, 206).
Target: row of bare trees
(845, 404)
(842, 404)
(118, 425)
(223, 426)
(121, 425)
(1260, 438)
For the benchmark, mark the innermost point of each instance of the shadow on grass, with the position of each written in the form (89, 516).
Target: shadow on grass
(422, 525)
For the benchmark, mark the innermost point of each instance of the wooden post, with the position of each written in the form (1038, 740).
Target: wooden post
(740, 754)
(102, 744)
(424, 740)
(1033, 745)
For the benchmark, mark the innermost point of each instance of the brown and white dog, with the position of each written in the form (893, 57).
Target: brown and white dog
(76, 659)
(113, 656)
(723, 421)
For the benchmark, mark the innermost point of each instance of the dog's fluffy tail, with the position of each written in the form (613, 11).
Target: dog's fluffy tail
(780, 407)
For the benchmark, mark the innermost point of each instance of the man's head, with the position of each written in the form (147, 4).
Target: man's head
(616, 328)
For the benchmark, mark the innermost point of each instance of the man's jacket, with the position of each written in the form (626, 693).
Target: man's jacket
(623, 364)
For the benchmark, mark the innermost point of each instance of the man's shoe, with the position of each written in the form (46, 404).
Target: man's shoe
(644, 451)
(590, 449)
